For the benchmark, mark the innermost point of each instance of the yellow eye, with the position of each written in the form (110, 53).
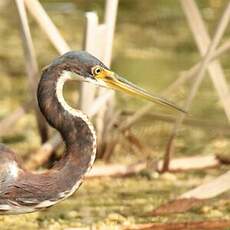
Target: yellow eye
(96, 70)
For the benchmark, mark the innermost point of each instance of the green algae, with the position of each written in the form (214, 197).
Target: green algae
(122, 201)
(152, 58)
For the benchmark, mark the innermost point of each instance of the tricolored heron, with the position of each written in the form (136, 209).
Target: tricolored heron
(22, 191)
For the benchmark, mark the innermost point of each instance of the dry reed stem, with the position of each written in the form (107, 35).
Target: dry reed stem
(31, 66)
(196, 23)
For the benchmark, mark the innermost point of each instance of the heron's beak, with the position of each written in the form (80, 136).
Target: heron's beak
(112, 80)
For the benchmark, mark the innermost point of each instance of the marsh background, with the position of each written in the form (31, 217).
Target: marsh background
(152, 45)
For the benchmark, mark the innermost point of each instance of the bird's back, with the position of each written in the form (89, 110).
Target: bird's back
(8, 167)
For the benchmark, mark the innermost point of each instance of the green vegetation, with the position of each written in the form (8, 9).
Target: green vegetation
(121, 201)
(153, 44)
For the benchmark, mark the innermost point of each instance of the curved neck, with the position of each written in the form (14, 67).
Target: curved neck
(75, 129)
(30, 192)
(73, 125)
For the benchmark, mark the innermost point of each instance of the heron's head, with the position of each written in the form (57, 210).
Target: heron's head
(85, 67)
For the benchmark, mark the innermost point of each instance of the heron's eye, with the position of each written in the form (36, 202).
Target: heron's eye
(96, 70)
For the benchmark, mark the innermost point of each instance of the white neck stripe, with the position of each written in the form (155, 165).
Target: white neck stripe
(67, 75)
